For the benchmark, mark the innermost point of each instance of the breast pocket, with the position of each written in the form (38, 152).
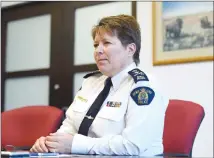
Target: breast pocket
(80, 104)
(79, 109)
(109, 121)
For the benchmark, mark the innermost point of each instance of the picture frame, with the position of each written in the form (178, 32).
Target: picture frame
(182, 32)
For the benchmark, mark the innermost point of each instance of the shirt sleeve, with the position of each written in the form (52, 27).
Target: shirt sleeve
(67, 126)
(144, 127)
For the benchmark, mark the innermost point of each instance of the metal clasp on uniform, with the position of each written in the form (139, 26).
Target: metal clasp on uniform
(89, 117)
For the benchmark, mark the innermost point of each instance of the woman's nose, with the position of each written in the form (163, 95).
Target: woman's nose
(99, 49)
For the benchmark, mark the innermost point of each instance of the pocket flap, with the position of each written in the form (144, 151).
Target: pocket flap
(112, 113)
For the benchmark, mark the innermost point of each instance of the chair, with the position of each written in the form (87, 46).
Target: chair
(21, 127)
(182, 121)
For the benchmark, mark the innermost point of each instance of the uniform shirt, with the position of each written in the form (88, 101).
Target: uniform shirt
(121, 127)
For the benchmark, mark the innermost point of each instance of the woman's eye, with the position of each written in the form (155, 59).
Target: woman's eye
(95, 45)
(107, 43)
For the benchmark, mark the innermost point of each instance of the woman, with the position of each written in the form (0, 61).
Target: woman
(116, 112)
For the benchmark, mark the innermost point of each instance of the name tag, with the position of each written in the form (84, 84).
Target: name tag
(82, 99)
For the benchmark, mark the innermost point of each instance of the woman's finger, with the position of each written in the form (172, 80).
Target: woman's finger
(52, 138)
(53, 150)
(51, 144)
(42, 145)
(38, 148)
(33, 150)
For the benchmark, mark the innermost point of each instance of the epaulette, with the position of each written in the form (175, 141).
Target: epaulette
(138, 75)
(91, 74)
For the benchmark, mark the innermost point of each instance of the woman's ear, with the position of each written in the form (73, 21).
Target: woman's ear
(131, 49)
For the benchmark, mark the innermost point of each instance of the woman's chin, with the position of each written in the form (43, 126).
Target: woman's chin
(104, 70)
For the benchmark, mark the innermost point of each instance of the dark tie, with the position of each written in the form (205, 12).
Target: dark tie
(94, 109)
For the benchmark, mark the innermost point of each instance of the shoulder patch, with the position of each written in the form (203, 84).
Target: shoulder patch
(138, 75)
(91, 74)
(142, 95)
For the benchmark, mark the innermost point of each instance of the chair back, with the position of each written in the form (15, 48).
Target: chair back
(23, 126)
(182, 121)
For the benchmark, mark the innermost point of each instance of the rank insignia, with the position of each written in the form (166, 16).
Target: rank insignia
(142, 95)
(113, 104)
(138, 75)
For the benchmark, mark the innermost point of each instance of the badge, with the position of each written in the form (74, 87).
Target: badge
(138, 75)
(82, 99)
(113, 104)
(142, 95)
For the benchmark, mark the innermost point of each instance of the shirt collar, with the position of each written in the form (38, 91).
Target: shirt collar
(119, 77)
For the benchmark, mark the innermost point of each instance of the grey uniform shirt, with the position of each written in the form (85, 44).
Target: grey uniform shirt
(122, 126)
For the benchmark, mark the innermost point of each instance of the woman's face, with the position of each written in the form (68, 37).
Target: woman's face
(110, 55)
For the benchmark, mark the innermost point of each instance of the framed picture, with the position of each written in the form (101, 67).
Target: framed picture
(182, 32)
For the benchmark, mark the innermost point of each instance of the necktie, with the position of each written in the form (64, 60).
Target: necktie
(94, 109)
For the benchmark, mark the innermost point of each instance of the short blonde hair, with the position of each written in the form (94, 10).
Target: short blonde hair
(125, 27)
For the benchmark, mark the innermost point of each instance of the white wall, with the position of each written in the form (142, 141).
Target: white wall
(192, 81)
